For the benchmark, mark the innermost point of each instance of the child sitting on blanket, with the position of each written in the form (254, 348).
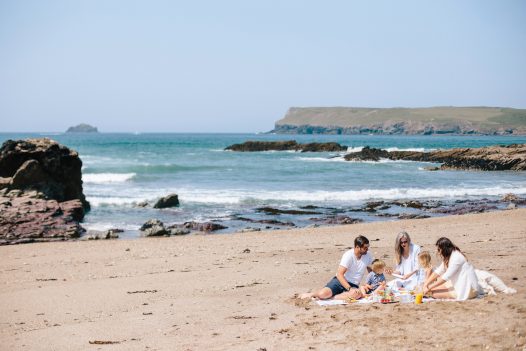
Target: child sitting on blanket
(374, 279)
(424, 260)
(425, 270)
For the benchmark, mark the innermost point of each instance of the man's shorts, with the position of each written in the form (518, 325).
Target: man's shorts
(336, 287)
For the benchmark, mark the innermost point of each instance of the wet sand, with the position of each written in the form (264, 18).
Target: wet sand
(236, 291)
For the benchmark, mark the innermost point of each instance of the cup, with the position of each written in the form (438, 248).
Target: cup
(418, 297)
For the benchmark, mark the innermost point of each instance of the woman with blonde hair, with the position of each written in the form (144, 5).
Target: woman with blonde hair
(406, 258)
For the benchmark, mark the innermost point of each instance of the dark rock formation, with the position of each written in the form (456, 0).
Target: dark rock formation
(102, 235)
(289, 145)
(41, 195)
(367, 154)
(277, 211)
(42, 165)
(27, 217)
(322, 147)
(200, 227)
(464, 208)
(265, 221)
(492, 158)
(512, 198)
(171, 200)
(337, 220)
(154, 227)
(408, 203)
(82, 128)
(412, 216)
(178, 231)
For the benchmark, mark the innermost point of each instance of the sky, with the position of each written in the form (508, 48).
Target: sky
(237, 66)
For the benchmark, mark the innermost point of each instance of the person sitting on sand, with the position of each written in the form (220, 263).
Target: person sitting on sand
(424, 260)
(350, 272)
(455, 278)
(375, 278)
(425, 269)
(406, 254)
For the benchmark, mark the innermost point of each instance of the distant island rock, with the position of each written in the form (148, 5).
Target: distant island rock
(82, 128)
(491, 158)
(287, 145)
(424, 121)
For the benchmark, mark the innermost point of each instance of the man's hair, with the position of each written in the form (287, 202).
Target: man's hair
(360, 241)
(377, 264)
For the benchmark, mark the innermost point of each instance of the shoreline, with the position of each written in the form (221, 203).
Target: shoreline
(236, 291)
(279, 217)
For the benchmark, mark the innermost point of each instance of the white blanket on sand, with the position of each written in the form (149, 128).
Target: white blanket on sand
(491, 284)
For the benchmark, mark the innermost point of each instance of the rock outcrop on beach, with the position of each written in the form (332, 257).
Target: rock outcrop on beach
(425, 121)
(43, 165)
(41, 196)
(82, 128)
(171, 200)
(27, 217)
(155, 227)
(288, 145)
(491, 158)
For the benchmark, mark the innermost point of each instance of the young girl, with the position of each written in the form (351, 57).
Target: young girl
(424, 260)
(425, 270)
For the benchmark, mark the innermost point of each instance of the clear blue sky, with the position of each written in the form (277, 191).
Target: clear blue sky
(237, 66)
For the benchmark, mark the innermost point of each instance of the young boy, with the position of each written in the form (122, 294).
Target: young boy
(375, 278)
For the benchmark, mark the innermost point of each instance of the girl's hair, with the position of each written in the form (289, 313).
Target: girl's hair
(445, 249)
(398, 246)
(377, 264)
(424, 258)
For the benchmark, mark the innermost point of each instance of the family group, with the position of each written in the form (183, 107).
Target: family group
(455, 278)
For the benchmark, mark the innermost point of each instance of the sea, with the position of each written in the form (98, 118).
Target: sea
(121, 170)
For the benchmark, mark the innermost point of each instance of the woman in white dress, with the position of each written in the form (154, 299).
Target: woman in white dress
(455, 278)
(406, 257)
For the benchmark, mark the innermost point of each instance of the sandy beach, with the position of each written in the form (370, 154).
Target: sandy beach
(236, 291)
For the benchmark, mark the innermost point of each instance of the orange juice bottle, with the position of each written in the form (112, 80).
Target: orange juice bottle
(419, 294)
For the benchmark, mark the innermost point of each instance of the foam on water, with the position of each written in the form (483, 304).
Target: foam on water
(321, 159)
(102, 226)
(418, 149)
(393, 148)
(238, 196)
(104, 178)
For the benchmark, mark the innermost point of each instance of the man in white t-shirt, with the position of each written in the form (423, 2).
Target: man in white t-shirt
(352, 267)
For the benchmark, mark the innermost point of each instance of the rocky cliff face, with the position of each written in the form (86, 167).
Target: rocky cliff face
(492, 158)
(41, 196)
(43, 165)
(425, 121)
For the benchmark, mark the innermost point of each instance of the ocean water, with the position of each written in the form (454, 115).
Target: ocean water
(121, 170)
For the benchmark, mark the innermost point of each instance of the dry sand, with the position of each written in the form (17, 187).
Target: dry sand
(235, 291)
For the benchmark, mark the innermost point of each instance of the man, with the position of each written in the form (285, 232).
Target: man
(352, 267)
